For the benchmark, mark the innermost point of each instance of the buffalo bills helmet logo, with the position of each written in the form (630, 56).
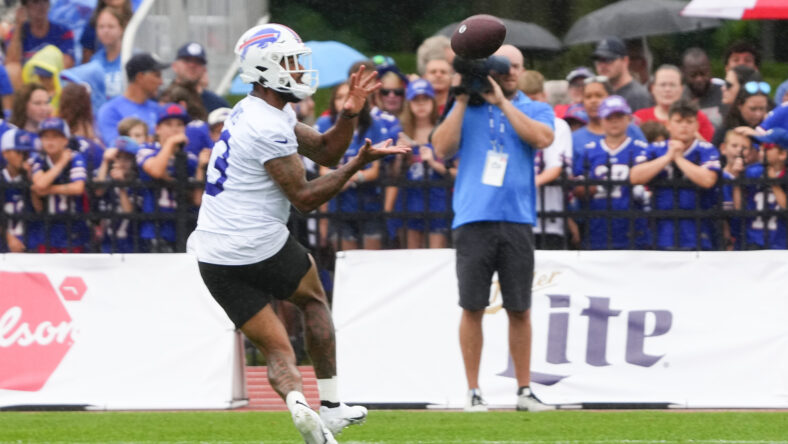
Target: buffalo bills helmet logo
(261, 39)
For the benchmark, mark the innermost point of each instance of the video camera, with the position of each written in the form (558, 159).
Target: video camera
(474, 76)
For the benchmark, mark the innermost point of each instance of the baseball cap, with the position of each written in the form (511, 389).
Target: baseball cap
(55, 124)
(576, 112)
(610, 48)
(419, 87)
(612, 105)
(218, 115)
(172, 111)
(777, 136)
(127, 145)
(192, 50)
(143, 62)
(579, 72)
(16, 139)
(385, 69)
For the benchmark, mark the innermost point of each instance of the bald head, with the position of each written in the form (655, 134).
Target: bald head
(696, 69)
(508, 82)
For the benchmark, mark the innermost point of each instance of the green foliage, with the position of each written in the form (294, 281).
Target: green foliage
(389, 427)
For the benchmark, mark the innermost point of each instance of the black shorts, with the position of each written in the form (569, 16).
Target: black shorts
(244, 290)
(486, 247)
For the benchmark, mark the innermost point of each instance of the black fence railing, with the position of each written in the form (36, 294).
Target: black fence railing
(596, 213)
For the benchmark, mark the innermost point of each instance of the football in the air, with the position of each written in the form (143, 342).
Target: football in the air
(478, 36)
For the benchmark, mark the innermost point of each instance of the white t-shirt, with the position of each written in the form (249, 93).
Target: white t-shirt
(244, 213)
(558, 154)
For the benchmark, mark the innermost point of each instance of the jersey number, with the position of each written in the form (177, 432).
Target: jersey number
(761, 200)
(217, 173)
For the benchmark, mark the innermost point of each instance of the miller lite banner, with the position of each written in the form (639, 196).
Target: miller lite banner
(114, 332)
(681, 329)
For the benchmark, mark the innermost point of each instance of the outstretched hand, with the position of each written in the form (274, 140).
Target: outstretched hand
(370, 153)
(361, 86)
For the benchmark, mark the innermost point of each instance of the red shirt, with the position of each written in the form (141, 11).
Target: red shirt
(705, 128)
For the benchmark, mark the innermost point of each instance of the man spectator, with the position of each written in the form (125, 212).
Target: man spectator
(682, 156)
(700, 89)
(742, 53)
(190, 68)
(33, 31)
(549, 231)
(490, 235)
(611, 60)
(144, 73)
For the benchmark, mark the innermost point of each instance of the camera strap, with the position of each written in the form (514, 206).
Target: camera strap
(496, 136)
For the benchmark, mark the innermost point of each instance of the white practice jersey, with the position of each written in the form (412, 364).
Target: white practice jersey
(244, 213)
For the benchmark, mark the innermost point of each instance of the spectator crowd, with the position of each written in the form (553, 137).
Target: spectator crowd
(90, 162)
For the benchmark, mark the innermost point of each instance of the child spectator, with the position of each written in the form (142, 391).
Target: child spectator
(767, 231)
(423, 166)
(135, 128)
(682, 156)
(19, 235)
(59, 174)
(736, 150)
(611, 159)
(77, 110)
(654, 131)
(156, 161)
(119, 166)
(360, 198)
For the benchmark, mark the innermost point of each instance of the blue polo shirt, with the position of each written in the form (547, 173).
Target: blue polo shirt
(112, 112)
(515, 200)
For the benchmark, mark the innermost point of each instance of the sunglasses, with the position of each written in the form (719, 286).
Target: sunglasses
(595, 79)
(399, 92)
(756, 87)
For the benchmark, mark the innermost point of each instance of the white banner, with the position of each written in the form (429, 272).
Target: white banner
(114, 332)
(682, 328)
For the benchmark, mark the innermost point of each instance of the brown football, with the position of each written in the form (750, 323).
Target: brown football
(478, 36)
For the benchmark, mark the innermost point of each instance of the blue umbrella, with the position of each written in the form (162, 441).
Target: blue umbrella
(331, 59)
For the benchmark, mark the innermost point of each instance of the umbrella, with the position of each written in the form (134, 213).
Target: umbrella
(635, 18)
(737, 9)
(523, 35)
(331, 59)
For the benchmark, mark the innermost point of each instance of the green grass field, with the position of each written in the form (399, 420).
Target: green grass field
(384, 427)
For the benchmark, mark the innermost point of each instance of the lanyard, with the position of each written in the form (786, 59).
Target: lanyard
(496, 140)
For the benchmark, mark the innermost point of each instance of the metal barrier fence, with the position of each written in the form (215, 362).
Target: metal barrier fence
(711, 220)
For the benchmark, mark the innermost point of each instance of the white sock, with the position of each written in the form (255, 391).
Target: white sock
(291, 399)
(328, 389)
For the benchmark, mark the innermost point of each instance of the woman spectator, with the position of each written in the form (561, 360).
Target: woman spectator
(360, 199)
(749, 108)
(666, 90)
(736, 76)
(110, 24)
(423, 165)
(90, 45)
(77, 110)
(31, 107)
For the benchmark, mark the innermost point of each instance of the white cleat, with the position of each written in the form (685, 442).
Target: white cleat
(312, 429)
(337, 418)
(474, 402)
(527, 401)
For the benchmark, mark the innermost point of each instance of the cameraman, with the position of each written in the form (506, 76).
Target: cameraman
(494, 210)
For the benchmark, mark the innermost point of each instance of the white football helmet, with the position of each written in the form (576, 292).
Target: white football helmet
(271, 54)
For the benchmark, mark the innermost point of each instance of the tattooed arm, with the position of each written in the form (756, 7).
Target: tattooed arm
(288, 173)
(328, 148)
